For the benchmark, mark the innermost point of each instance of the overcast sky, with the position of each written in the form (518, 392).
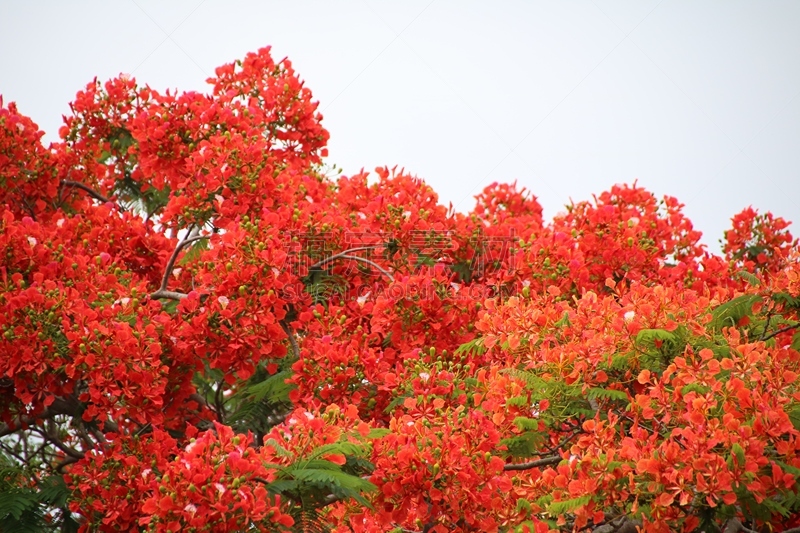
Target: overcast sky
(698, 100)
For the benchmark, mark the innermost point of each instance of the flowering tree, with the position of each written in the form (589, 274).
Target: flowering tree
(203, 329)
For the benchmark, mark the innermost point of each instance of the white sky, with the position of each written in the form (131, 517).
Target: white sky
(699, 100)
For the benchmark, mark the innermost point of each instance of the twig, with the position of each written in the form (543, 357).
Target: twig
(68, 460)
(371, 263)
(545, 461)
(88, 190)
(621, 524)
(195, 397)
(342, 254)
(565, 440)
(734, 525)
(766, 325)
(168, 295)
(345, 255)
(289, 333)
(60, 406)
(219, 403)
(778, 332)
(53, 438)
(171, 263)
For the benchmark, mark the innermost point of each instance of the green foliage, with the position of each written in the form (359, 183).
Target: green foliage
(794, 416)
(20, 510)
(525, 445)
(473, 347)
(607, 394)
(751, 279)
(313, 482)
(738, 453)
(261, 403)
(308, 521)
(193, 251)
(566, 400)
(24, 506)
(787, 300)
(658, 347)
(565, 506)
(648, 337)
(730, 313)
(323, 286)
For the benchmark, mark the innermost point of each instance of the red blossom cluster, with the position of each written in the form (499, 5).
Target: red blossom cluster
(203, 329)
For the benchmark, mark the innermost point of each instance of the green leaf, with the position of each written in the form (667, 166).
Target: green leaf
(308, 521)
(559, 508)
(794, 416)
(342, 447)
(608, 394)
(473, 347)
(274, 389)
(524, 445)
(738, 452)
(786, 299)
(194, 251)
(377, 433)
(751, 279)
(796, 341)
(563, 321)
(730, 313)
(649, 336)
(786, 467)
(518, 401)
(54, 491)
(694, 387)
(523, 505)
(526, 424)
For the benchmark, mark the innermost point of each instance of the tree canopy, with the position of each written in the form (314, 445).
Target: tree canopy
(204, 327)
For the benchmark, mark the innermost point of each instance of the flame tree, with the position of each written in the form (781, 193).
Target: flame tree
(205, 328)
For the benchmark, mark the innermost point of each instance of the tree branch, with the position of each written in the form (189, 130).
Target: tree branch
(621, 524)
(371, 263)
(345, 255)
(545, 461)
(162, 292)
(766, 325)
(68, 460)
(734, 525)
(195, 397)
(88, 190)
(778, 332)
(60, 406)
(290, 333)
(168, 295)
(53, 438)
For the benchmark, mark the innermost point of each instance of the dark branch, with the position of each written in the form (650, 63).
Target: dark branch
(53, 438)
(545, 461)
(168, 295)
(734, 525)
(60, 406)
(290, 333)
(162, 292)
(88, 190)
(68, 460)
(621, 524)
(778, 332)
(345, 255)
(766, 326)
